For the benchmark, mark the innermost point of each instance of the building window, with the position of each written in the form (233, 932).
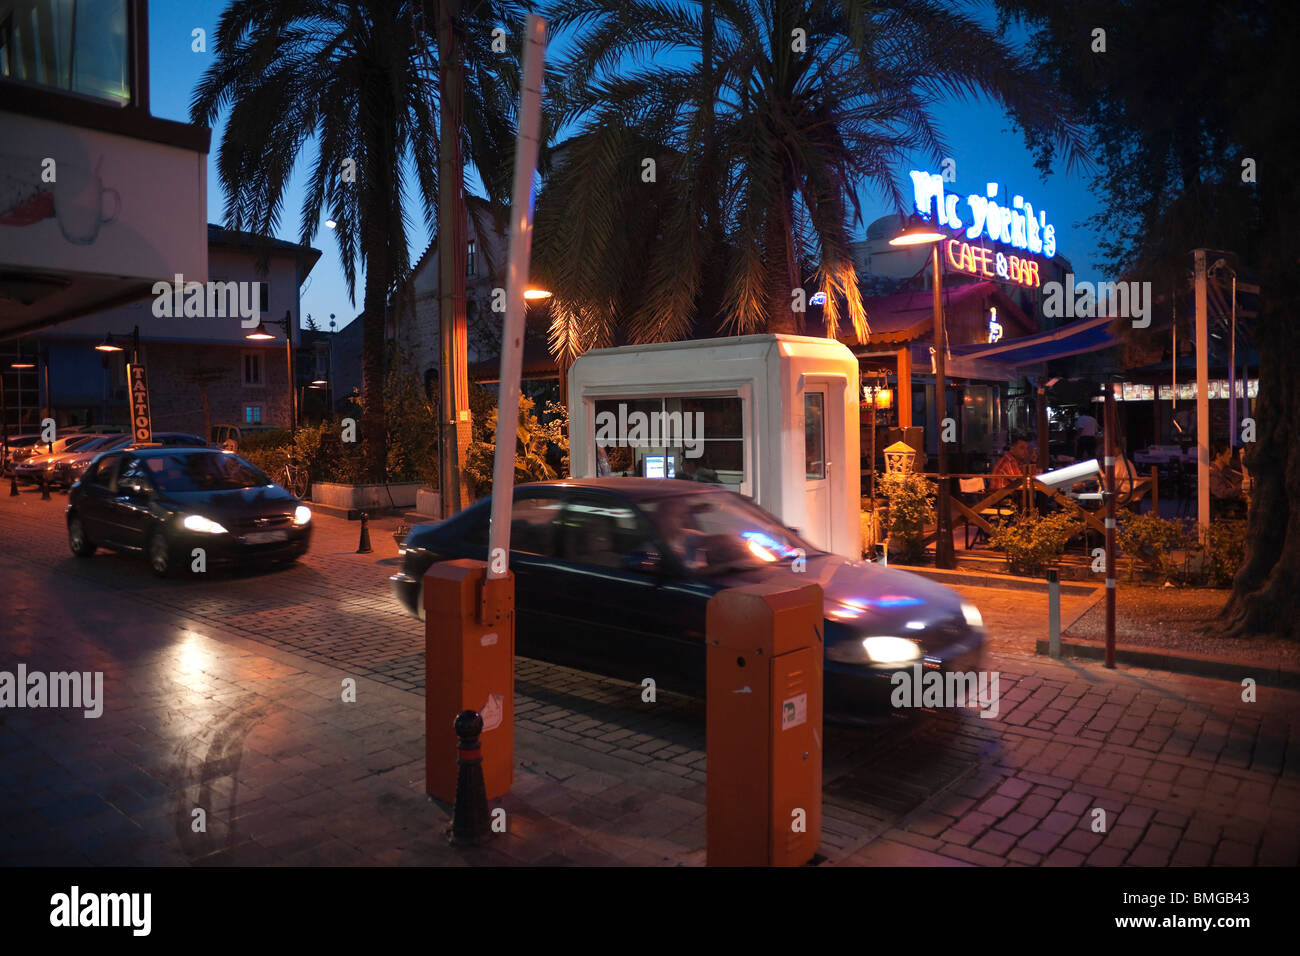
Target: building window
(252, 368)
(252, 414)
(80, 47)
(470, 267)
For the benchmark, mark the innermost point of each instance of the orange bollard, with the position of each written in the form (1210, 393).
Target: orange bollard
(469, 646)
(764, 725)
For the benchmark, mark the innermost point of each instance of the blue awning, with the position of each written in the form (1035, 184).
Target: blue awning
(1004, 359)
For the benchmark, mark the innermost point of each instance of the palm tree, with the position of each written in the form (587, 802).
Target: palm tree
(355, 83)
(765, 118)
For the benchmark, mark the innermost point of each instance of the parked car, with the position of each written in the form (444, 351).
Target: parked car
(42, 462)
(164, 502)
(19, 448)
(70, 468)
(231, 437)
(613, 575)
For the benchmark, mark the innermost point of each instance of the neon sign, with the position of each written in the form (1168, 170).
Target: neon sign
(1016, 225)
(995, 327)
(987, 263)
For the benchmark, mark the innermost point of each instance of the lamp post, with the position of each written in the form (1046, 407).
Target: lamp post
(111, 344)
(330, 394)
(261, 334)
(917, 234)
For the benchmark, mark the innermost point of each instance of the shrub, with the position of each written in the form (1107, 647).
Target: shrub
(1152, 540)
(533, 441)
(911, 508)
(1032, 542)
(254, 441)
(1225, 549)
(269, 460)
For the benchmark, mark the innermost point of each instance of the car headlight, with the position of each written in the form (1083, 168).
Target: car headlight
(972, 615)
(202, 524)
(301, 515)
(890, 650)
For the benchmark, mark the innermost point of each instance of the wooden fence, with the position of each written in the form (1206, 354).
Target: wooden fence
(1020, 494)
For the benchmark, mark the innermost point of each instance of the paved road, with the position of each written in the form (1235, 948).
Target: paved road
(1183, 769)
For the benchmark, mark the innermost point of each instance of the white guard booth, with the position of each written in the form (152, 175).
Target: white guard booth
(774, 417)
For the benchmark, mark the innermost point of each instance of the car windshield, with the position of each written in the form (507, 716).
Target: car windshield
(203, 472)
(719, 531)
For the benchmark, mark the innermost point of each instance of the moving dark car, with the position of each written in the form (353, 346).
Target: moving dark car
(613, 575)
(165, 502)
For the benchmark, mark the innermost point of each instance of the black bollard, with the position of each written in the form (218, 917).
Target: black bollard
(364, 546)
(13, 485)
(470, 825)
(45, 488)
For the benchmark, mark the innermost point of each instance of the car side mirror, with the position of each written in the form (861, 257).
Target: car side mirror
(647, 562)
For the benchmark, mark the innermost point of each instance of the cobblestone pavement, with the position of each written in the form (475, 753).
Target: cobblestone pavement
(226, 698)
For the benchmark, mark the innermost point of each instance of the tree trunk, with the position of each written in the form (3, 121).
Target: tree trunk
(782, 269)
(374, 426)
(1266, 590)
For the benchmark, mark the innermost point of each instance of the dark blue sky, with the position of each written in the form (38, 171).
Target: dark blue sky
(978, 134)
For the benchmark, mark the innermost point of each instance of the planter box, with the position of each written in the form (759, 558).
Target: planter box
(371, 498)
(428, 503)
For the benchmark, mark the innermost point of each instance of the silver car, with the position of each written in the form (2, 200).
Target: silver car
(42, 463)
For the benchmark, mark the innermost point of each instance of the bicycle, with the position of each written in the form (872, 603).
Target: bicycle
(294, 478)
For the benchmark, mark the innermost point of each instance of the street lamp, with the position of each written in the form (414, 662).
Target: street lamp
(262, 334)
(918, 234)
(21, 362)
(110, 344)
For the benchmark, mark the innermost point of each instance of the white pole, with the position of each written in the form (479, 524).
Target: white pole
(1202, 398)
(512, 341)
(1232, 372)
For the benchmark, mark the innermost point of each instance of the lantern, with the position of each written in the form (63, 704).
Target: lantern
(901, 459)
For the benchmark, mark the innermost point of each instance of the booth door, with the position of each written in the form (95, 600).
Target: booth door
(817, 470)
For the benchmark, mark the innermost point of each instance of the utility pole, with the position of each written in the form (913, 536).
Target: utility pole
(453, 379)
(1202, 397)
(943, 556)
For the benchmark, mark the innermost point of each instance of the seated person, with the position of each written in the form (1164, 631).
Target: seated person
(692, 470)
(1013, 463)
(1225, 476)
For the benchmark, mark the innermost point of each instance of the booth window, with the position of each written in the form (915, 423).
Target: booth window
(697, 438)
(814, 434)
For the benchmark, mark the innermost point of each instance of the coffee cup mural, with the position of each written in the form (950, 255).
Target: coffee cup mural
(82, 204)
(77, 200)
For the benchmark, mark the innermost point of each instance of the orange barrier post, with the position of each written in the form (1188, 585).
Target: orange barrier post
(469, 647)
(764, 725)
